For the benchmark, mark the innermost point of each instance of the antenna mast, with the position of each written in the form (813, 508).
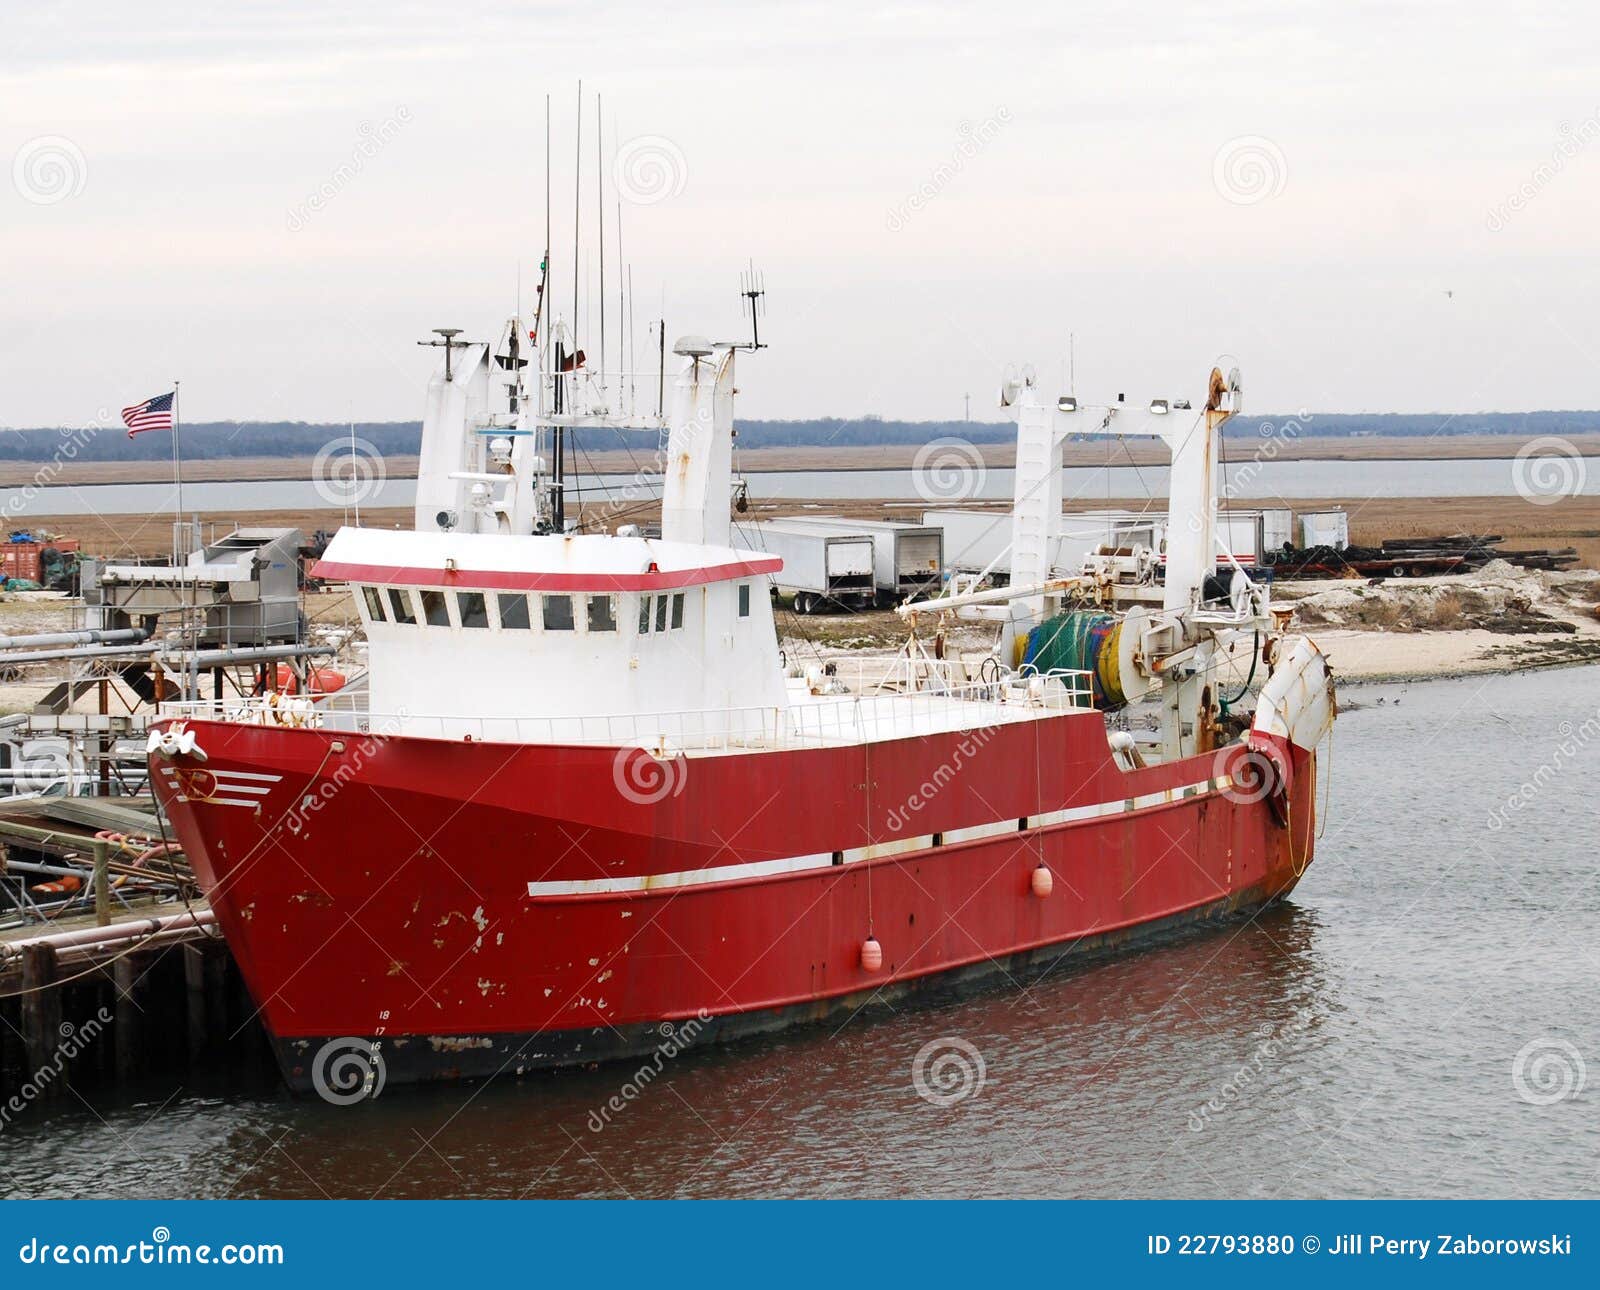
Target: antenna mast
(622, 310)
(753, 287)
(600, 220)
(577, 211)
(544, 265)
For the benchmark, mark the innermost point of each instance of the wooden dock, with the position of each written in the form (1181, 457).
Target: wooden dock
(111, 991)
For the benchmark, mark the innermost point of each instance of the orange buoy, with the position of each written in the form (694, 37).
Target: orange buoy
(871, 954)
(1042, 882)
(60, 887)
(322, 680)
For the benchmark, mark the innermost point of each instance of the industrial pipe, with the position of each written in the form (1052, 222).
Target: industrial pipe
(90, 636)
(241, 654)
(128, 931)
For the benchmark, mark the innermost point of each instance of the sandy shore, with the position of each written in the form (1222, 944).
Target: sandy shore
(821, 457)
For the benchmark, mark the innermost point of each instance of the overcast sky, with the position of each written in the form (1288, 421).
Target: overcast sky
(273, 202)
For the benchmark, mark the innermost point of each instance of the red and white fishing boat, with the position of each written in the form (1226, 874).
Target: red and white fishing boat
(578, 802)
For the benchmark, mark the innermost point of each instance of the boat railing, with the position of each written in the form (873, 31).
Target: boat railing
(815, 721)
(906, 674)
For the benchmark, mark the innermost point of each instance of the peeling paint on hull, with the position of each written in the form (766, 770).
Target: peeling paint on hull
(439, 1059)
(426, 850)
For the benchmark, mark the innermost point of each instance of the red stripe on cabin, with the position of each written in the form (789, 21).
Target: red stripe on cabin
(524, 580)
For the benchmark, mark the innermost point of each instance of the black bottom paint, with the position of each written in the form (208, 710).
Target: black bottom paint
(424, 1059)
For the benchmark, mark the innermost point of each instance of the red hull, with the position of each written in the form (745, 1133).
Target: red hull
(399, 906)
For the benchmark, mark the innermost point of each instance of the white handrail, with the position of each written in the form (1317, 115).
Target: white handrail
(813, 721)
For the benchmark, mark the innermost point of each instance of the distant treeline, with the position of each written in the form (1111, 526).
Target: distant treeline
(223, 439)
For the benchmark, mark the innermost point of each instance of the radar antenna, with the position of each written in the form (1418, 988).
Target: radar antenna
(449, 343)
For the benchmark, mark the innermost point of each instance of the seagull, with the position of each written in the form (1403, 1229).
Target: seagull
(1450, 294)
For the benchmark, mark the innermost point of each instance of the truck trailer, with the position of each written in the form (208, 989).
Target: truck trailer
(820, 568)
(908, 559)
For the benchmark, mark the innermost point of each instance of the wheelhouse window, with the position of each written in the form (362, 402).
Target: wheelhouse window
(374, 604)
(400, 610)
(558, 613)
(661, 613)
(644, 614)
(513, 611)
(677, 611)
(435, 608)
(744, 600)
(602, 613)
(474, 612)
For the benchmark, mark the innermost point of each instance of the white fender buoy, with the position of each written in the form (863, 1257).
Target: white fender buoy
(1042, 882)
(174, 741)
(871, 954)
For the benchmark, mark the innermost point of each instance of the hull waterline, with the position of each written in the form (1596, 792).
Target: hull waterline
(476, 909)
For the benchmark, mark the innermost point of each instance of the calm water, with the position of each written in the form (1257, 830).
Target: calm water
(1257, 480)
(1362, 1040)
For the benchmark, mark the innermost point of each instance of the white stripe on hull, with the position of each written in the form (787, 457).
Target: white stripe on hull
(827, 859)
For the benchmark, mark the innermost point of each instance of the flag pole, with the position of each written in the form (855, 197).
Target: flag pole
(177, 450)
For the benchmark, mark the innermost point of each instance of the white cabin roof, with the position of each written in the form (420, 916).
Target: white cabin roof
(570, 562)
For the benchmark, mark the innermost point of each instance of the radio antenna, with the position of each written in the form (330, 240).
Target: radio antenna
(600, 219)
(577, 210)
(753, 289)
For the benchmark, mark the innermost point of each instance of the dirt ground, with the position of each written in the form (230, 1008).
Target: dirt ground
(820, 457)
(1573, 522)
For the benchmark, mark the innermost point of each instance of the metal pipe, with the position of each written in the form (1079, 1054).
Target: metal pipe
(997, 594)
(241, 654)
(260, 653)
(83, 651)
(89, 636)
(43, 870)
(128, 931)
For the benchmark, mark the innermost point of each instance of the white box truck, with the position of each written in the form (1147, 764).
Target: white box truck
(821, 569)
(908, 559)
(973, 540)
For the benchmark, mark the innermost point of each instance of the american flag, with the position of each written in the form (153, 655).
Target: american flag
(152, 414)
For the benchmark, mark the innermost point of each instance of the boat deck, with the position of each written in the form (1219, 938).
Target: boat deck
(821, 712)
